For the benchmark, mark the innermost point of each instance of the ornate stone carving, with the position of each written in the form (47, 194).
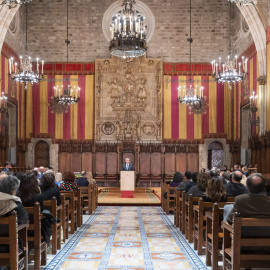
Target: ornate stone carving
(129, 97)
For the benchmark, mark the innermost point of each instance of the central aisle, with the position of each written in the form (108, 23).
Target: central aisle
(127, 238)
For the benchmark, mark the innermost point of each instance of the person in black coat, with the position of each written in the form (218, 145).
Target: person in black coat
(82, 181)
(127, 166)
(234, 187)
(48, 188)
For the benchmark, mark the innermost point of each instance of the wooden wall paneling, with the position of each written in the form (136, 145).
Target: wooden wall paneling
(181, 162)
(87, 162)
(145, 163)
(169, 163)
(268, 160)
(156, 163)
(112, 163)
(100, 163)
(64, 162)
(76, 162)
(193, 162)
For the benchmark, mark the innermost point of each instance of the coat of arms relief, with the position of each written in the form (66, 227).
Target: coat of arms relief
(128, 99)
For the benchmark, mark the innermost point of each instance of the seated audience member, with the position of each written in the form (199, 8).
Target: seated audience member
(236, 167)
(49, 188)
(82, 181)
(90, 178)
(38, 173)
(268, 187)
(69, 182)
(177, 179)
(184, 183)
(245, 171)
(7, 167)
(226, 177)
(58, 179)
(215, 191)
(203, 170)
(194, 181)
(3, 175)
(200, 188)
(9, 201)
(255, 204)
(29, 191)
(234, 187)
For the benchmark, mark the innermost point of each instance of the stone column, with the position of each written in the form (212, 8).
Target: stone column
(54, 150)
(262, 103)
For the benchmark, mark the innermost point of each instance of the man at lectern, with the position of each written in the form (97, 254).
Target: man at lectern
(127, 166)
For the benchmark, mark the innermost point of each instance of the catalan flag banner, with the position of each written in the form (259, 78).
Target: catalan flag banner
(181, 124)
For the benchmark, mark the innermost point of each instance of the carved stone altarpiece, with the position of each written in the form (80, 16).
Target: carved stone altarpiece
(128, 99)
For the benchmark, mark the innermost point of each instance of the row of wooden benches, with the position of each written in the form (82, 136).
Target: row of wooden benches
(69, 214)
(201, 224)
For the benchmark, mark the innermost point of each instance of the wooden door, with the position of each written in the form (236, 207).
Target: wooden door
(42, 154)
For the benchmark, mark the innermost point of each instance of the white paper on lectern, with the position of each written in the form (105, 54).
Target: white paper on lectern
(127, 180)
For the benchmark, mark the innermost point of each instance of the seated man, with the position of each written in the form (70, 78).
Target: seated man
(7, 166)
(235, 188)
(82, 181)
(187, 180)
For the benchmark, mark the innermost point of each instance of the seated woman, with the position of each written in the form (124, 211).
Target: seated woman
(215, 191)
(200, 188)
(69, 183)
(90, 178)
(177, 179)
(9, 201)
(29, 191)
(49, 188)
(58, 179)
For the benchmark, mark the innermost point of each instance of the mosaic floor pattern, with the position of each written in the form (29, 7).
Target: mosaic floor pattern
(133, 238)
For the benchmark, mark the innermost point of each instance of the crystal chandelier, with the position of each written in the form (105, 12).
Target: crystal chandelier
(245, 2)
(231, 71)
(24, 73)
(14, 3)
(128, 33)
(65, 96)
(192, 96)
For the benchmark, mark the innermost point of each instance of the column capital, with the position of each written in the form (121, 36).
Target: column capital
(262, 80)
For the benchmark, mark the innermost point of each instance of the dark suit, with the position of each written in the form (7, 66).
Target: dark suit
(130, 167)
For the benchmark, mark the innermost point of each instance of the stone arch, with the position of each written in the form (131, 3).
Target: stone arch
(256, 23)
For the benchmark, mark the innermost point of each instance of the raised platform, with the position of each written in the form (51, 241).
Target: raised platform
(142, 197)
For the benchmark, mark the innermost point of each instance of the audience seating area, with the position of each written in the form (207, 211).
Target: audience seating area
(69, 214)
(237, 245)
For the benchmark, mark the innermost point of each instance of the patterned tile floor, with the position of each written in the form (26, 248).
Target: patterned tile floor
(127, 238)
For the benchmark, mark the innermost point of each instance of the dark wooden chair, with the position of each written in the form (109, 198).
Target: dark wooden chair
(9, 230)
(177, 208)
(163, 200)
(79, 207)
(56, 228)
(156, 180)
(86, 195)
(36, 244)
(182, 217)
(170, 207)
(112, 180)
(72, 210)
(65, 217)
(189, 217)
(235, 241)
(94, 197)
(101, 180)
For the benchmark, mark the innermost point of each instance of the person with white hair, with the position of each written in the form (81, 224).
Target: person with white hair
(127, 166)
(58, 179)
(9, 201)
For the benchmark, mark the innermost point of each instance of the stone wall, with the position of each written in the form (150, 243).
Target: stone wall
(47, 30)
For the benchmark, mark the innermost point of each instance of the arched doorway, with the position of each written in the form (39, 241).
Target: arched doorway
(42, 154)
(215, 155)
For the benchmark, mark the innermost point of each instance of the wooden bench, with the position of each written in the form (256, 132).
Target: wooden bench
(9, 230)
(39, 251)
(72, 210)
(56, 228)
(94, 197)
(79, 207)
(170, 199)
(177, 207)
(189, 217)
(234, 257)
(182, 217)
(65, 217)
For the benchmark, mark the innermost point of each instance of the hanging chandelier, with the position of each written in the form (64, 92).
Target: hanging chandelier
(14, 3)
(65, 96)
(192, 96)
(244, 2)
(3, 99)
(231, 71)
(128, 32)
(24, 73)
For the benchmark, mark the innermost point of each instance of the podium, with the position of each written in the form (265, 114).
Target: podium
(127, 179)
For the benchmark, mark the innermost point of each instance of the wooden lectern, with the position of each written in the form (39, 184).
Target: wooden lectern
(127, 184)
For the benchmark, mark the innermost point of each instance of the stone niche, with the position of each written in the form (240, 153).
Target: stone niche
(128, 96)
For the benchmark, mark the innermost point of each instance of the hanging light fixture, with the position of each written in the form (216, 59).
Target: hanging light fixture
(192, 96)
(3, 99)
(64, 96)
(231, 71)
(244, 2)
(128, 32)
(14, 3)
(24, 72)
